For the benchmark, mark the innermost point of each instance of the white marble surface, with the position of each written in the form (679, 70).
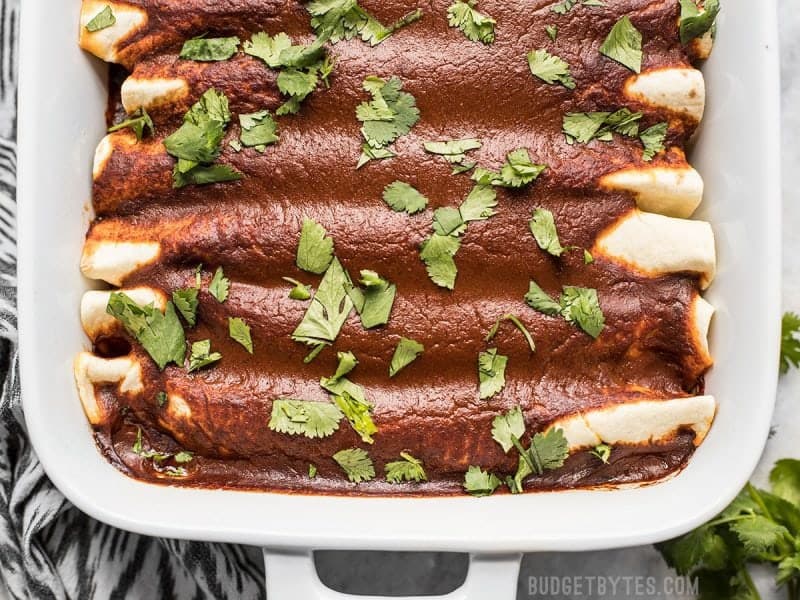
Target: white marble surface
(441, 572)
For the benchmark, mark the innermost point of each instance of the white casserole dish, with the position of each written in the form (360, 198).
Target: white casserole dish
(62, 106)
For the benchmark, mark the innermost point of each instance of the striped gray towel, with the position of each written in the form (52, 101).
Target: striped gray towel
(48, 548)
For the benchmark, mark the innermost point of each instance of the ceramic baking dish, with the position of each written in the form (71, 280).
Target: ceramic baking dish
(62, 117)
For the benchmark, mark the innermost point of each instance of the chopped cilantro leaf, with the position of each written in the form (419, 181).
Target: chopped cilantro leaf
(328, 309)
(210, 49)
(138, 124)
(790, 341)
(602, 452)
(552, 32)
(391, 113)
(315, 250)
(540, 300)
(401, 196)
(102, 20)
(548, 450)
(476, 26)
(356, 463)
(543, 228)
(373, 304)
(582, 307)
(259, 130)
(454, 151)
(406, 469)
(202, 356)
(480, 483)
(347, 362)
(161, 399)
(339, 20)
(437, 253)
(219, 286)
(301, 417)
(312, 471)
(565, 6)
(240, 332)
(479, 204)
(624, 45)
(585, 127)
(299, 291)
(491, 373)
(268, 48)
(203, 175)
(694, 22)
(518, 324)
(517, 171)
(653, 140)
(161, 335)
(507, 426)
(186, 302)
(587, 257)
(550, 68)
(357, 412)
(406, 352)
(448, 220)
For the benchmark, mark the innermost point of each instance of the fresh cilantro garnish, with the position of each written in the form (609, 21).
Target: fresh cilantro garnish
(219, 285)
(694, 22)
(406, 352)
(344, 19)
(259, 130)
(301, 417)
(585, 127)
(449, 224)
(138, 124)
(401, 196)
(479, 482)
(491, 373)
(516, 172)
(347, 362)
(603, 452)
(653, 140)
(300, 291)
(202, 356)
(328, 309)
(476, 26)
(543, 228)
(269, 48)
(508, 426)
(138, 449)
(758, 527)
(312, 471)
(547, 451)
(390, 114)
(240, 332)
(790, 341)
(407, 469)
(161, 399)
(183, 456)
(197, 143)
(577, 305)
(356, 463)
(186, 302)
(161, 335)
(565, 6)
(552, 32)
(374, 302)
(518, 324)
(102, 20)
(624, 45)
(454, 151)
(587, 257)
(350, 398)
(315, 250)
(210, 49)
(550, 68)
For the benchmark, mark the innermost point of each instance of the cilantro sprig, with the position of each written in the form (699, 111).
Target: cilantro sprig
(790, 342)
(407, 468)
(389, 115)
(476, 26)
(139, 122)
(577, 305)
(356, 464)
(550, 68)
(340, 20)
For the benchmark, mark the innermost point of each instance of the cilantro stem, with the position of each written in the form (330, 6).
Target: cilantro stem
(745, 576)
(525, 455)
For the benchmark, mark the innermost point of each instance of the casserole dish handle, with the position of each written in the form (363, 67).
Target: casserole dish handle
(291, 574)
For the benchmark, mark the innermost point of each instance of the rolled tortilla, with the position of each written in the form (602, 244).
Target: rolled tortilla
(670, 191)
(91, 370)
(657, 245)
(105, 43)
(96, 320)
(680, 90)
(112, 261)
(140, 93)
(643, 422)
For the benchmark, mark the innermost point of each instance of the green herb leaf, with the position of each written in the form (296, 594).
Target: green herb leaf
(476, 26)
(186, 302)
(550, 68)
(624, 45)
(161, 335)
(374, 304)
(454, 151)
(603, 452)
(203, 175)
(517, 171)
(543, 228)
(356, 463)
(210, 49)
(401, 196)
(138, 124)
(508, 426)
(587, 257)
(406, 352)
(585, 127)
(653, 140)
(299, 291)
(347, 362)
(565, 6)
(268, 48)
(518, 324)
(790, 342)
(582, 307)
(161, 399)
(759, 534)
(202, 356)
(407, 469)
(259, 130)
(183, 457)
(548, 450)
(552, 32)
(102, 20)
(448, 220)
(694, 22)
(240, 332)
(219, 285)
(491, 373)
(328, 309)
(312, 471)
(391, 114)
(344, 19)
(358, 414)
(785, 480)
(480, 483)
(315, 250)
(437, 253)
(301, 417)
(540, 300)
(479, 204)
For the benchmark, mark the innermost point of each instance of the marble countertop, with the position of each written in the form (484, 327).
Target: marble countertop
(440, 572)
